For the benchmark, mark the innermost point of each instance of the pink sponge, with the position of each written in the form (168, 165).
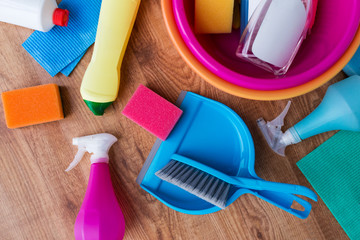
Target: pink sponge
(152, 112)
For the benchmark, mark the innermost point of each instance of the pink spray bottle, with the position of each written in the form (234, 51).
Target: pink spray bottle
(100, 216)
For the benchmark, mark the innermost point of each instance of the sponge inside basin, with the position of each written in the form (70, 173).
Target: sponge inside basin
(214, 16)
(152, 112)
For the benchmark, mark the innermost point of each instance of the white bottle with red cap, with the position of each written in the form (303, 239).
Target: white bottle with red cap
(40, 15)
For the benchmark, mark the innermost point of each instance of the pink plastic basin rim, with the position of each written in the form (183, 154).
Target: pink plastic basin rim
(260, 83)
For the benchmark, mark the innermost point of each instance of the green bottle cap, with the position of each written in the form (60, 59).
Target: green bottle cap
(97, 108)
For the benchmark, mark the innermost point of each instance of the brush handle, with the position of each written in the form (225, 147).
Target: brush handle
(278, 194)
(249, 183)
(262, 185)
(285, 201)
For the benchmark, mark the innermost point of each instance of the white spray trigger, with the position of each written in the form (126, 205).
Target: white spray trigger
(98, 144)
(278, 122)
(79, 155)
(272, 131)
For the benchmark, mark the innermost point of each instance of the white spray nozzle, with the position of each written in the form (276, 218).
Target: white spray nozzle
(272, 131)
(278, 122)
(98, 144)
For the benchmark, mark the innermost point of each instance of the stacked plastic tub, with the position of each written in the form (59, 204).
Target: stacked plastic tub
(334, 39)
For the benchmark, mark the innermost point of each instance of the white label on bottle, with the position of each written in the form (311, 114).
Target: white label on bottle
(280, 31)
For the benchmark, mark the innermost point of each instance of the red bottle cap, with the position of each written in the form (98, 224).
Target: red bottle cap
(61, 17)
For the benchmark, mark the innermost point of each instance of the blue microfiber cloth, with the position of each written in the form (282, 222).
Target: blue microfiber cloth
(333, 171)
(61, 48)
(69, 68)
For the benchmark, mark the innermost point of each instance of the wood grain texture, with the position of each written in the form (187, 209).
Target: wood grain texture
(38, 200)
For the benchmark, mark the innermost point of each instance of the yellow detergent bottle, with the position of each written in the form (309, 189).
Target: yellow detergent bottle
(101, 81)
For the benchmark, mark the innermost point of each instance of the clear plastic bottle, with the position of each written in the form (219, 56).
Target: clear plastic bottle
(41, 15)
(275, 32)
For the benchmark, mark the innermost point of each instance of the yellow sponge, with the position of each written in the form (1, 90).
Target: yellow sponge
(214, 16)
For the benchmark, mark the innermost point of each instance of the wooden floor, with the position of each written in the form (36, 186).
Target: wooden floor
(39, 200)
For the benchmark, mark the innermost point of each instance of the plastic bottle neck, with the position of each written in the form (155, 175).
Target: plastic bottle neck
(290, 137)
(99, 160)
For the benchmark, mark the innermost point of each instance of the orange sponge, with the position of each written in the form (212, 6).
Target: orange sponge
(34, 105)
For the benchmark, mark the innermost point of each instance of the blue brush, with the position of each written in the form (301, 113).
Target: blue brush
(213, 186)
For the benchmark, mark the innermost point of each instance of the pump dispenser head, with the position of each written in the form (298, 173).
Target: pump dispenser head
(98, 144)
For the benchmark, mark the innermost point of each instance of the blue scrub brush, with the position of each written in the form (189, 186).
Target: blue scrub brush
(214, 186)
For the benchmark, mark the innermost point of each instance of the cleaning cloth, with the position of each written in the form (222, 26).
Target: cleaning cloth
(333, 171)
(61, 48)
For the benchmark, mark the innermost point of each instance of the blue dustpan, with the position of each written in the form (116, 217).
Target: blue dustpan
(214, 135)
